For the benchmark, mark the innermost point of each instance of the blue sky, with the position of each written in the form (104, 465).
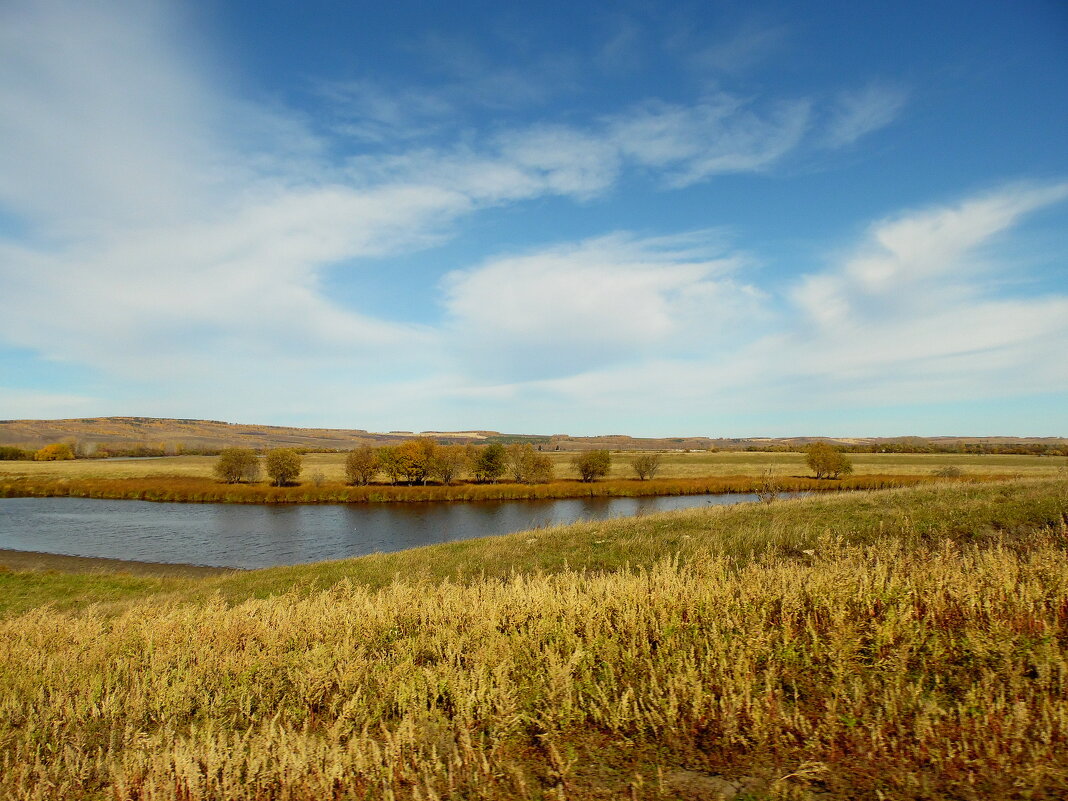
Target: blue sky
(650, 218)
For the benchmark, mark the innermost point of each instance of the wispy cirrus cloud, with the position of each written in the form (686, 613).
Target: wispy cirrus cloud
(616, 298)
(678, 145)
(909, 315)
(855, 114)
(748, 46)
(920, 261)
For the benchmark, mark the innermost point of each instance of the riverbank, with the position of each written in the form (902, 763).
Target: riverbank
(893, 644)
(35, 561)
(184, 489)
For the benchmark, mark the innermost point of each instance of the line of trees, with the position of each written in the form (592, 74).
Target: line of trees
(420, 460)
(243, 465)
(12, 453)
(417, 461)
(55, 452)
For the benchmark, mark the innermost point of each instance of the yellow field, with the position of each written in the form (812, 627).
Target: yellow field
(897, 644)
(675, 465)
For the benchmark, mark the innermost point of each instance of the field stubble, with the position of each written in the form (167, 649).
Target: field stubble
(901, 644)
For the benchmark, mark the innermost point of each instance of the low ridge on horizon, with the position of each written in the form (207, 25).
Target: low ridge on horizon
(173, 432)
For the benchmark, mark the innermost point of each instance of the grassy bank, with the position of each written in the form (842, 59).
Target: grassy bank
(908, 643)
(206, 490)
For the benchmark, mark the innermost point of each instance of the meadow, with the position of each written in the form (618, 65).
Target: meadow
(189, 478)
(908, 643)
(694, 464)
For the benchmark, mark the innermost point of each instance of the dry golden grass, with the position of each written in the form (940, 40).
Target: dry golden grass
(901, 644)
(725, 463)
(183, 466)
(675, 465)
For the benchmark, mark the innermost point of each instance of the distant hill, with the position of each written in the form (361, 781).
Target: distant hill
(189, 436)
(174, 435)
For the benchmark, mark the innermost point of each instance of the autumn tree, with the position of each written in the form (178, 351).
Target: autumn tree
(592, 465)
(237, 464)
(646, 465)
(13, 453)
(539, 469)
(361, 465)
(56, 452)
(517, 459)
(448, 462)
(389, 461)
(827, 462)
(526, 465)
(283, 466)
(488, 462)
(417, 458)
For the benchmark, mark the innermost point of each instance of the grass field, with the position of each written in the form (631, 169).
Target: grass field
(189, 478)
(908, 643)
(675, 465)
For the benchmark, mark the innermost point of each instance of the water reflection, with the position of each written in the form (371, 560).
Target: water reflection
(233, 535)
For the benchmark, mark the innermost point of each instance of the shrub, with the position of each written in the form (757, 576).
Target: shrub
(827, 462)
(56, 452)
(592, 465)
(488, 462)
(447, 462)
(769, 487)
(361, 466)
(540, 469)
(646, 465)
(949, 471)
(416, 458)
(10, 453)
(389, 461)
(527, 466)
(237, 464)
(283, 466)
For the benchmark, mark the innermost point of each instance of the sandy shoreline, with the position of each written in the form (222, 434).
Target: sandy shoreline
(35, 561)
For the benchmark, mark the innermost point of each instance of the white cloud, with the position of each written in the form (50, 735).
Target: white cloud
(614, 298)
(919, 261)
(21, 404)
(858, 113)
(371, 112)
(746, 48)
(679, 144)
(621, 50)
(179, 231)
(100, 120)
(720, 135)
(911, 316)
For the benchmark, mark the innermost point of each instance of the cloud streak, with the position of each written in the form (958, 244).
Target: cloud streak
(910, 316)
(613, 299)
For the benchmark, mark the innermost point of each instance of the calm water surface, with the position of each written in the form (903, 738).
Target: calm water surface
(251, 536)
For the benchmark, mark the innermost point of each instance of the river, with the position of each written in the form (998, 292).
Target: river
(253, 536)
